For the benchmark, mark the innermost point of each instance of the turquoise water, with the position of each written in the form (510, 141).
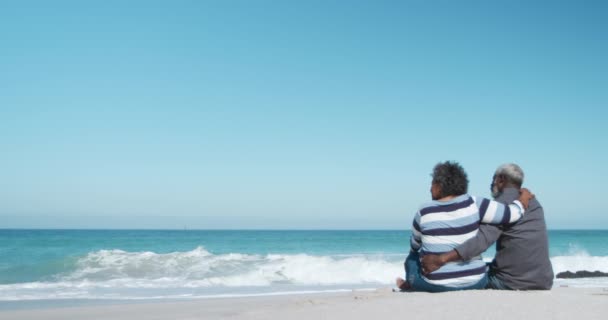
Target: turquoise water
(35, 255)
(145, 264)
(571, 242)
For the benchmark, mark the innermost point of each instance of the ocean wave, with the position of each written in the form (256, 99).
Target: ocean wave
(118, 274)
(201, 268)
(581, 260)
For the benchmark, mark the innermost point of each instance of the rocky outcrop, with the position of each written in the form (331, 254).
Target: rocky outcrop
(581, 274)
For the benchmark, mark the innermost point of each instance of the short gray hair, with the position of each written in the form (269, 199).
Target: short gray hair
(511, 172)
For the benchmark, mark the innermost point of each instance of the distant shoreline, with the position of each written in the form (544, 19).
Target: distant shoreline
(236, 229)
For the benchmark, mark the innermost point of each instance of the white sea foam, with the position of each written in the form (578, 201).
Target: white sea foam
(198, 273)
(201, 268)
(117, 274)
(578, 262)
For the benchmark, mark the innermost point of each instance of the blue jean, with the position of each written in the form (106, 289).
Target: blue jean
(418, 283)
(495, 283)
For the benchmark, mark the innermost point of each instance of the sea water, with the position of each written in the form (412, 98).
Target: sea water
(55, 265)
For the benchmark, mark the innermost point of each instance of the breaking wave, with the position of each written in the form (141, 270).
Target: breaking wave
(201, 268)
(579, 262)
(118, 274)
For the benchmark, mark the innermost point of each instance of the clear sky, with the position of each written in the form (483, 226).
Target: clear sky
(294, 114)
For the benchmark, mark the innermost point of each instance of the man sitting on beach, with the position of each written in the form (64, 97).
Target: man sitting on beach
(449, 220)
(522, 251)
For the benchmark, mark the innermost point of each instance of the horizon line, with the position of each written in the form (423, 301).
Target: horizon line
(246, 229)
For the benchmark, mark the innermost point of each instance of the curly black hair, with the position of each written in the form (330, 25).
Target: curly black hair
(451, 178)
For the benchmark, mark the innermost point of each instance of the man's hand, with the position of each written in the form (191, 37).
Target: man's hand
(432, 262)
(525, 196)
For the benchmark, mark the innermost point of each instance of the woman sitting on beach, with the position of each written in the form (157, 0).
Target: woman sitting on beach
(449, 220)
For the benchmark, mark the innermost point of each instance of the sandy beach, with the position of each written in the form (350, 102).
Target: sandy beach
(559, 303)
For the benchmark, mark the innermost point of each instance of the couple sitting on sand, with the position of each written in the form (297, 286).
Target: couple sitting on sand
(450, 233)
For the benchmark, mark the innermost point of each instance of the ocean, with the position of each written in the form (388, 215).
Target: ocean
(127, 265)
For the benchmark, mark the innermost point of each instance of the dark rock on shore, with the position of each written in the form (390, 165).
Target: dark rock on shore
(581, 274)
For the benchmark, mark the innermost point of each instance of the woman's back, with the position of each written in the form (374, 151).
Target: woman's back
(440, 226)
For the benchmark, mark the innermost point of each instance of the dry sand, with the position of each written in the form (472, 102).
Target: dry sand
(559, 303)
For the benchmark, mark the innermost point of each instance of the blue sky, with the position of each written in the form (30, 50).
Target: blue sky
(294, 114)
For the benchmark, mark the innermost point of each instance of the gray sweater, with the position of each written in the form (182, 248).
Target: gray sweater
(522, 251)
